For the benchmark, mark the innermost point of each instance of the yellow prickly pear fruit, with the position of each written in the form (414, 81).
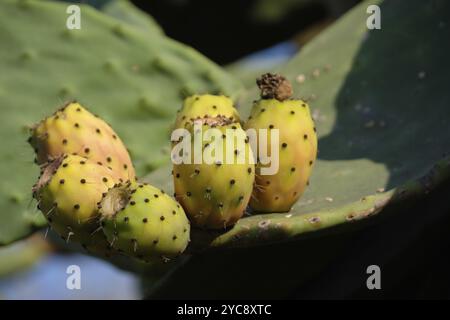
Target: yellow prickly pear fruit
(206, 105)
(143, 222)
(297, 147)
(74, 130)
(214, 191)
(68, 192)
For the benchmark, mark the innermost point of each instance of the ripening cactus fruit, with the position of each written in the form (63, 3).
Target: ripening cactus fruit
(143, 222)
(207, 105)
(297, 145)
(214, 191)
(74, 130)
(68, 192)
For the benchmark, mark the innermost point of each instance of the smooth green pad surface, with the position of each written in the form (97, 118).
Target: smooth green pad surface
(134, 79)
(127, 12)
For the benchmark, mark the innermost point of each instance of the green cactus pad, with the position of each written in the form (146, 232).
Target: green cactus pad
(125, 11)
(134, 77)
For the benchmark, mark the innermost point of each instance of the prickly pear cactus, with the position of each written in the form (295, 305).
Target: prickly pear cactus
(136, 80)
(68, 192)
(296, 145)
(367, 99)
(74, 130)
(206, 105)
(143, 222)
(215, 190)
(366, 96)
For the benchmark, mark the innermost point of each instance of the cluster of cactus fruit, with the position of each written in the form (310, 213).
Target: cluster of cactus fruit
(89, 193)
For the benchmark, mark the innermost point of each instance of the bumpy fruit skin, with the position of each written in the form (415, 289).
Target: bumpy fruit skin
(199, 106)
(215, 195)
(297, 153)
(143, 222)
(68, 193)
(74, 130)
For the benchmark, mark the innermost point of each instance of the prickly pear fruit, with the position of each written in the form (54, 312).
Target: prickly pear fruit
(214, 191)
(68, 192)
(74, 130)
(297, 145)
(143, 222)
(199, 106)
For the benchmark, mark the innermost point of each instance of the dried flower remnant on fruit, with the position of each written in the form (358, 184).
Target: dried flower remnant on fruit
(274, 86)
